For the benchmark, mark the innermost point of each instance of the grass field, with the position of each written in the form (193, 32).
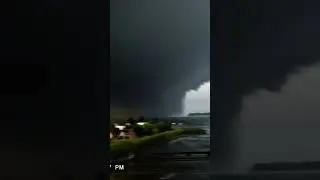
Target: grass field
(121, 148)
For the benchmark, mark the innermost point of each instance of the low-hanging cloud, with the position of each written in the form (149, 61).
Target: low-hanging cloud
(159, 51)
(259, 45)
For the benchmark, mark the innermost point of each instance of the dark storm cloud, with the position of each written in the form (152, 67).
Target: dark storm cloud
(159, 50)
(258, 44)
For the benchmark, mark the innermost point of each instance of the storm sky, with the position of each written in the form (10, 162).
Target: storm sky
(265, 92)
(197, 100)
(159, 51)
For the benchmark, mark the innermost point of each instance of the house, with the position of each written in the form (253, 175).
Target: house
(120, 127)
(122, 131)
(123, 135)
(128, 124)
(127, 134)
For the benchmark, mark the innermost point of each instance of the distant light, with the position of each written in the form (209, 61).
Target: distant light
(141, 123)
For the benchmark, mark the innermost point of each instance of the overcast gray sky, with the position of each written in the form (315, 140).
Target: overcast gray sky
(198, 100)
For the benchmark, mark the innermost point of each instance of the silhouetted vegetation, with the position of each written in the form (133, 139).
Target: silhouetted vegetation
(131, 120)
(138, 130)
